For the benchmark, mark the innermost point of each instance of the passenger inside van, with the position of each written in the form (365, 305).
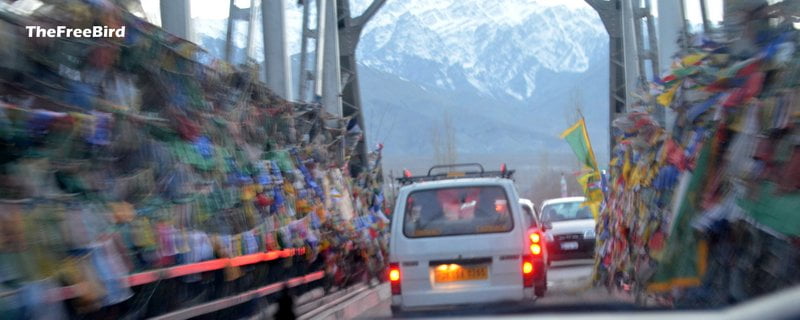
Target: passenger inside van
(457, 211)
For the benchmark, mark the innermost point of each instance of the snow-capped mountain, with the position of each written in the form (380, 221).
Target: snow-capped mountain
(507, 72)
(499, 46)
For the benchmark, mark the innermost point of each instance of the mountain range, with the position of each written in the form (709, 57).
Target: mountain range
(510, 75)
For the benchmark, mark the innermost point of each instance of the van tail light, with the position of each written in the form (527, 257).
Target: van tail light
(394, 278)
(527, 267)
(536, 243)
(528, 271)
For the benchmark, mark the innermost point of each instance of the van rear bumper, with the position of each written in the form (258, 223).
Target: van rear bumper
(459, 297)
(469, 310)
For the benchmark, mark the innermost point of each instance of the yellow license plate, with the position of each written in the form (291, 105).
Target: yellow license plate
(452, 273)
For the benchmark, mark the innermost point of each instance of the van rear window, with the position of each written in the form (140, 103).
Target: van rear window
(457, 211)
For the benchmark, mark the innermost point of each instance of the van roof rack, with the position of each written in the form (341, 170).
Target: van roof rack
(452, 174)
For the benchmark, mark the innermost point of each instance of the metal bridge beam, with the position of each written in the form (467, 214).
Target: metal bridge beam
(175, 18)
(350, 29)
(244, 14)
(336, 76)
(673, 37)
(276, 57)
(276, 74)
(305, 35)
(331, 70)
(232, 9)
(645, 51)
(610, 12)
(630, 56)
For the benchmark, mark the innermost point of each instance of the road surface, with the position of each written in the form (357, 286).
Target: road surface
(569, 289)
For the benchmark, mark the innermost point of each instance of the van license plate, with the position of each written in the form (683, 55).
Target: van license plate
(569, 245)
(459, 273)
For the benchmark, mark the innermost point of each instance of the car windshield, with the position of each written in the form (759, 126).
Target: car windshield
(457, 211)
(228, 150)
(566, 211)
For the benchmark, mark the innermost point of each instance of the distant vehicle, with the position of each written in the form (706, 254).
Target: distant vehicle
(536, 226)
(461, 238)
(571, 229)
(530, 208)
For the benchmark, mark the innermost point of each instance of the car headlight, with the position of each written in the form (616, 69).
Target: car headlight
(588, 234)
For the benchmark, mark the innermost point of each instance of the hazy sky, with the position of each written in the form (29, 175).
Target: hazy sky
(218, 9)
(714, 8)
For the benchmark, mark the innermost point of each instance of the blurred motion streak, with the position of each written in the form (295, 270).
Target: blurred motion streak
(705, 214)
(140, 176)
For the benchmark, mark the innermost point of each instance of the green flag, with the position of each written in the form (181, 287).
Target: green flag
(578, 139)
(685, 255)
(773, 209)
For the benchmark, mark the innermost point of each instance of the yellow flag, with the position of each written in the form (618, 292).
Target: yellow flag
(693, 59)
(665, 99)
(635, 177)
(594, 206)
(626, 167)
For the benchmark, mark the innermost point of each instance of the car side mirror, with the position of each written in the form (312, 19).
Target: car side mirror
(547, 226)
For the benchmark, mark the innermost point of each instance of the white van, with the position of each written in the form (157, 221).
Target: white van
(461, 238)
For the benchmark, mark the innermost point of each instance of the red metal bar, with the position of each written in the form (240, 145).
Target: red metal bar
(248, 259)
(238, 299)
(141, 278)
(314, 276)
(193, 268)
(63, 293)
(272, 255)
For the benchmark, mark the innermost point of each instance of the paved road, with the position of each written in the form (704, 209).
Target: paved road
(568, 289)
(565, 276)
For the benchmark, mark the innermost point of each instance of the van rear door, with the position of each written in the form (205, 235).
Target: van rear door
(460, 245)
